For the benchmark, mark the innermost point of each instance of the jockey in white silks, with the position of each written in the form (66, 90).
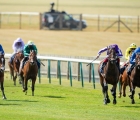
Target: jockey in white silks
(17, 46)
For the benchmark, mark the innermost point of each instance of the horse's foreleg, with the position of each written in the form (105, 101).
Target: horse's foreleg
(132, 93)
(2, 89)
(113, 92)
(106, 97)
(14, 78)
(33, 87)
(120, 90)
(25, 87)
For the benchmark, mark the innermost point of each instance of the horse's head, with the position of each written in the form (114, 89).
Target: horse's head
(138, 60)
(112, 55)
(20, 55)
(32, 57)
(2, 61)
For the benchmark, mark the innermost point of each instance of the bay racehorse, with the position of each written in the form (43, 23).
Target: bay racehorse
(135, 77)
(111, 76)
(14, 66)
(29, 71)
(2, 65)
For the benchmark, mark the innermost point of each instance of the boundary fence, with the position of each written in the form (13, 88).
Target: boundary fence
(95, 22)
(71, 68)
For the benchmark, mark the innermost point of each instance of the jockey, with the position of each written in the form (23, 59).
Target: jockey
(128, 54)
(17, 46)
(119, 54)
(27, 48)
(2, 54)
(132, 60)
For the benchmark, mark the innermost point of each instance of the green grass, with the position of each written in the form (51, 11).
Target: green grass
(62, 102)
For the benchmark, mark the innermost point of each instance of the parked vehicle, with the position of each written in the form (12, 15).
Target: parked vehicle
(56, 20)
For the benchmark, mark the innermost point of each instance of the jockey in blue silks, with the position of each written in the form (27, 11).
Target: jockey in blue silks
(17, 46)
(119, 54)
(2, 54)
(132, 60)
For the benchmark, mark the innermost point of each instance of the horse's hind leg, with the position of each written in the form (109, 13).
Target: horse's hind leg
(2, 89)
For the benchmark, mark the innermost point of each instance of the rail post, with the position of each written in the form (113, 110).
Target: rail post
(59, 71)
(93, 75)
(39, 74)
(81, 74)
(49, 71)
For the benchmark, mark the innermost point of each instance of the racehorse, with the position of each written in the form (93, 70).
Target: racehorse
(29, 71)
(2, 63)
(135, 78)
(14, 67)
(124, 81)
(111, 76)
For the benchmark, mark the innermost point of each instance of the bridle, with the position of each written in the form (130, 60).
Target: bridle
(112, 55)
(32, 57)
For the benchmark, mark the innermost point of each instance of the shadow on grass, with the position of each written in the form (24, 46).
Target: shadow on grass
(131, 106)
(8, 104)
(51, 96)
(22, 100)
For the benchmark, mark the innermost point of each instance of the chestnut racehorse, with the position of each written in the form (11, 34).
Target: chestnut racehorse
(124, 80)
(2, 63)
(14, 67)
(29, 71)
(135, 77)
(111, 76)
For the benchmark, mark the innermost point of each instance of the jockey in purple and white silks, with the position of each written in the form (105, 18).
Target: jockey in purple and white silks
(2, 57)
(119, 54)
(17, 46)
(132, 60)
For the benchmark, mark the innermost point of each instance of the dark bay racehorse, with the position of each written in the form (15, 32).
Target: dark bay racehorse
(30, 71)
(2, 62)
(111, 76)
(135, 78)
(14, 67)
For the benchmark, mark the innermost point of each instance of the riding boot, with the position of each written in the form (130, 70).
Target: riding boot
(118, 66)
(102, 67)
(38, 64)
(122, 69)
(3, 67)
(12, 58)
(130, 69)
(22, 64)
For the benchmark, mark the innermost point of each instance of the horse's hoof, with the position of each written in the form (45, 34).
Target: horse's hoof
(108, 100)
(119, 96)
(133, 101)
(114, 102)
(105, 102)
(124, 95)
(23, 90)
(4, 98)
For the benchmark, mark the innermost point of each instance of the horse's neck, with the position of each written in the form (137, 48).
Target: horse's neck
(110, 65)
